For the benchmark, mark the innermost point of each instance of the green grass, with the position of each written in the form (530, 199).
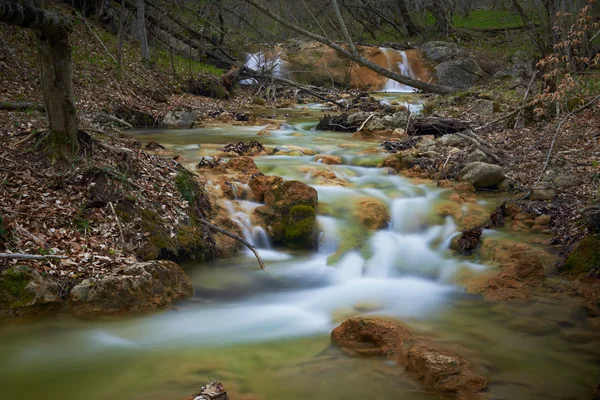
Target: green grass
(183, 66)
(478, 19)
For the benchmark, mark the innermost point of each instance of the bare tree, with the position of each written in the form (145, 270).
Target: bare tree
(142, 31)
(52, 38)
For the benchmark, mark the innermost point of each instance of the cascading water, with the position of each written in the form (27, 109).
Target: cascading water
(265, 62)
(259, 329)
(398, 62)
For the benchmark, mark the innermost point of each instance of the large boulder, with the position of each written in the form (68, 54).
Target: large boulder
(142, 286)
(461, 74)
(261, 183)
(24, 292)
(439, 51)
(179, 119)
(482, 175)
(371, 336)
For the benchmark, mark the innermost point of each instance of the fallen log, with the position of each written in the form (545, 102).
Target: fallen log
(435, 126)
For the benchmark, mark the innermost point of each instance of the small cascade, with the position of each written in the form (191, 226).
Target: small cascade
(399, 62)
(266, 61)
(329, 237)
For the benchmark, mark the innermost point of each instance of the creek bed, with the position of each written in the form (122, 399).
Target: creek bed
(265, 335)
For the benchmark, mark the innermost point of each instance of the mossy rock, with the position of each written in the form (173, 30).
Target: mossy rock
(13, 282)
(301, 230)
(585, 257)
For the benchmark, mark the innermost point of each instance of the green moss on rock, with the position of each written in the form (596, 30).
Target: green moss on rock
(13, 282)
(302, 229)
(585, 257)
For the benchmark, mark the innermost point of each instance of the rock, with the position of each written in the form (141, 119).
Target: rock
(399, 161)
(290, 216)
(261, 183)
(328, 159)
(591, 215)
(372, 213)
(356, 119)
(291, 193)
(542, 220)
(437, 368)
(565, 181)
(482, 175)
(479, 156)
(264, 132)
(328, 178)
(543, 194)
(444, 372)
(24, 292)
(139, 287)
(425, 143)
(371, 336)
(243, 164)
(482, 107)
(460, 74)
(439, 51)
(506, 185)
(179, 119)
(585, 257)
(452, 140)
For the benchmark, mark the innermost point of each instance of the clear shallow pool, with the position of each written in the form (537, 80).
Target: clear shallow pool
(265, 334)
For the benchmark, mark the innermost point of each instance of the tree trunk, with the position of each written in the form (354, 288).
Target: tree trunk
(443, 17)
(411, 27)
(52, 37)
(142, 31)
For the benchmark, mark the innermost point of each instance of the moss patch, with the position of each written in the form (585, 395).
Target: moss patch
(12, 288)
(585, 257)
(301, 229)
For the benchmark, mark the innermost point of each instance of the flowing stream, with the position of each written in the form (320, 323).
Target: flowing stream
(265, 335)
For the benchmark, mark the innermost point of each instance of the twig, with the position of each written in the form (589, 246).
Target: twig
(365, 122)
(118, 222)
(236, 237)
(20, 256)
(480, 147)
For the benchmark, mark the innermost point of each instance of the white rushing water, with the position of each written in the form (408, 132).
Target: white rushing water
(402, 67)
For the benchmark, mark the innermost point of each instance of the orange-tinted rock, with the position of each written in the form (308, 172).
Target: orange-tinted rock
(372, 213)
(261, 183)
(371, 336)
(328, 159)
(444, 372)
(243, 164)
(436, 367)
(291, 193)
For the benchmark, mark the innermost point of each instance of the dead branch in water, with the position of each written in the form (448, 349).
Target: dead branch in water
(238, 238)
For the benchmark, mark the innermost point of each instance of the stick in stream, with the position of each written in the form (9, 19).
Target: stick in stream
(236, 237)
(19, 256)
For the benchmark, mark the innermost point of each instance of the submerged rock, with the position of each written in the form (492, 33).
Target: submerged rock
(328, 159)
(139, 287)
(482, 175)
(372, 213)
(437, 368)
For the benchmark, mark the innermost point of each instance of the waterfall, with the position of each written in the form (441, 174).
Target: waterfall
(265, 61)
(398, 62)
